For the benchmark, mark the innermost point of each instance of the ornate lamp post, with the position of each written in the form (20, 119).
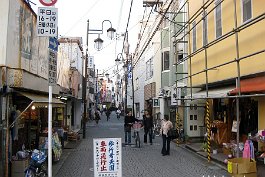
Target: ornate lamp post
(125, 68)
(98, 46)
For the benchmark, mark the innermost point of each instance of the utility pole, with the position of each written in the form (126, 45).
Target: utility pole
(84, 91)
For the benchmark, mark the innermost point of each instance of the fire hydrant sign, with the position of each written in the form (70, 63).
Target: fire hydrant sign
(47, 21)
(107, 157)
(52, 68)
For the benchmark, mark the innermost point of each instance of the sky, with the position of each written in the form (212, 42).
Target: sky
(72, 22)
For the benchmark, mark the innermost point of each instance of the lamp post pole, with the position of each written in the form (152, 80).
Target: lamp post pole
(85, 86)
(133, 111)
(98, 46)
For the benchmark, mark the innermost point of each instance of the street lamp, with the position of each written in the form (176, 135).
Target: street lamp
(98, 46)
(98, 43)
(107, 75)
(117, 61)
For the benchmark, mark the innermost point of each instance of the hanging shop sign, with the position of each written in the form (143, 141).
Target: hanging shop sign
(48, 2)
(47, 21)
(107, 157)
(90, 62)
(52, 68)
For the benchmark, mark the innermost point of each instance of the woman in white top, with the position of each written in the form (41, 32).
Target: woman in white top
(166, 126)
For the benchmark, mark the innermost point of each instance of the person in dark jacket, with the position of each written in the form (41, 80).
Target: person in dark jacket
(148, 126)
(128, 122)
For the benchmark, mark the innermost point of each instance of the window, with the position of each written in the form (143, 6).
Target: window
(137, 105)
(149, 68)
(195, 127)
(247, 10)
(218, 19)
(137, 83)
(194, 43)
(165, 60)
(205, 28)
(191, 127)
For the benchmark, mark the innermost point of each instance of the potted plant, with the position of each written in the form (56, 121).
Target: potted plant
(214, 146)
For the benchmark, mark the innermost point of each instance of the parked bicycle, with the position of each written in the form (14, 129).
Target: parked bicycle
(37, 165)
(157, 127)
(136, 128)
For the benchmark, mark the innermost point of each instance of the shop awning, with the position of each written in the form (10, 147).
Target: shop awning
(38, 101)
(42, 101)
(252, 85)
(212, 93)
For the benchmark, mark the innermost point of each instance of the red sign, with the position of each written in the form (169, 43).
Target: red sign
(48, 2)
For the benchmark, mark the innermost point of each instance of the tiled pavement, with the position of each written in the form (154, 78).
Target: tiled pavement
(147, 161)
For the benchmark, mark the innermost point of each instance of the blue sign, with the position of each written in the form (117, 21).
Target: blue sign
(53, 44)
(129, 67)
(130, 75)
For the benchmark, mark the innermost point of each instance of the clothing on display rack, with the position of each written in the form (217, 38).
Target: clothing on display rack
(248, 150)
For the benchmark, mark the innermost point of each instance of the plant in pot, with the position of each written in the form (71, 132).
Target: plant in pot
(204, 146)
(214, 146)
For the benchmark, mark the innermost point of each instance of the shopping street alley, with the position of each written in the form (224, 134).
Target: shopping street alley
(147, 161)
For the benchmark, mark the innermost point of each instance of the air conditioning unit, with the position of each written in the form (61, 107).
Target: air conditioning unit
(168, 93)
(161, 93)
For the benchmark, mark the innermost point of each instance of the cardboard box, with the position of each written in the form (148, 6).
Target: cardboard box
(19, 166)
(226, 151)
(244, 175)
(238, 167)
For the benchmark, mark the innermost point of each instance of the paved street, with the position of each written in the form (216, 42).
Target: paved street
(147, 161)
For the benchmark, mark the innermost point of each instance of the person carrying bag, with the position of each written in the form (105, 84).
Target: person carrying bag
(166, 126)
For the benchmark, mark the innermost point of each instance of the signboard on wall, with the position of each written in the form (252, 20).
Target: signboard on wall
(107, 157)
(175, 96)
(47, 21)
(90, 62)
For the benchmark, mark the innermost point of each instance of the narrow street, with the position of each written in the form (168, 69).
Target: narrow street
(147, 161)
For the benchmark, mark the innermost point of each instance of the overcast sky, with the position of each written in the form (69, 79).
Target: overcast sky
(72, 22)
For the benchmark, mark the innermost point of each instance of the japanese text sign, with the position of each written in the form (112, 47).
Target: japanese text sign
(47, 21)
(52, 67)
(90, 62)
(107, 157)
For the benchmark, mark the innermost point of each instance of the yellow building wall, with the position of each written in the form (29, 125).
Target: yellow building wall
(251, 40)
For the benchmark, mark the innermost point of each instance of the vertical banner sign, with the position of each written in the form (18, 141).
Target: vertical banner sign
(47, 21)
(107, 157)
(90, 62)
(52, 68)
(129, 71)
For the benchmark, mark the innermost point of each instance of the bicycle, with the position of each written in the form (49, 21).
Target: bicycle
(37, 165)
(156, 127)
(137, 127)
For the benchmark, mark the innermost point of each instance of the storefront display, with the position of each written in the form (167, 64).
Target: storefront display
(56, 145)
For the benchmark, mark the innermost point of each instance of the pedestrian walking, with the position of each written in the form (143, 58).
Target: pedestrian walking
(148, 127)
(166, 126)
(97, 116)
(108, 114)
(118, 112)
(128, 122)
